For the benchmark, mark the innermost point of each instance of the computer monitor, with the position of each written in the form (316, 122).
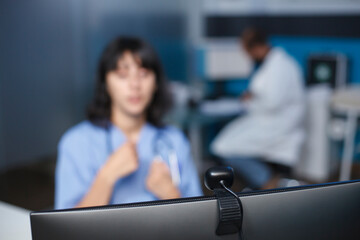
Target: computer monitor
(327, 69)
(321, 212)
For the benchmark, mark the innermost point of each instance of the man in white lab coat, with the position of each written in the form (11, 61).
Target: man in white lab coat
(268, 139)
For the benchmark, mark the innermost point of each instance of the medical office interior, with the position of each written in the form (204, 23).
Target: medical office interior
(50, 49)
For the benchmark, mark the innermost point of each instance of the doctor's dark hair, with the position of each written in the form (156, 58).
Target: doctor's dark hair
(253, 37)
(99, 110)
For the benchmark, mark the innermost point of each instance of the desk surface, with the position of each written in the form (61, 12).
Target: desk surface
(14, 223)
(347, 99)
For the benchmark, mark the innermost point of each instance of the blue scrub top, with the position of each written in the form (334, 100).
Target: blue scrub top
(85, 148)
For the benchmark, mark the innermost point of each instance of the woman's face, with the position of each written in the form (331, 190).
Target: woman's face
(131, 87)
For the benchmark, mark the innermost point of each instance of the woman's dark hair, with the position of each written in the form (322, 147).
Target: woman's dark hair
(99, 110)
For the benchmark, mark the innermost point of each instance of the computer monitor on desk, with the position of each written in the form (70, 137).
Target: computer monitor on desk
(321, 212)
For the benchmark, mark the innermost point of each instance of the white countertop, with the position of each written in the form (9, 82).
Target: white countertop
(14, 223)
(347, 99)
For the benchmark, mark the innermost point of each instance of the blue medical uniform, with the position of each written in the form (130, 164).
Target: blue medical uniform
(85, 148)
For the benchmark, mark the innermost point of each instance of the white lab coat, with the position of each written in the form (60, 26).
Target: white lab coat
(273, 127)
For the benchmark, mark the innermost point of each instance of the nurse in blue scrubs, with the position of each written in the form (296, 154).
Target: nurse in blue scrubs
(123, 152)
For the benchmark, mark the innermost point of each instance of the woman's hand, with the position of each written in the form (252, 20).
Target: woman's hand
(121, 163)
(159, 181)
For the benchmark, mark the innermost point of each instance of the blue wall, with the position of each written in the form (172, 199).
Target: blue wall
(300, 48)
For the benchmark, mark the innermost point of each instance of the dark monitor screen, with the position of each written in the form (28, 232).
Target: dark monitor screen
(321, 212)
(330, 70)
(322, 71)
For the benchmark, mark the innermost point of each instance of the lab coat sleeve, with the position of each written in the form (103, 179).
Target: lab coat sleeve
(73, 176)
(273, 95)
(190, 185)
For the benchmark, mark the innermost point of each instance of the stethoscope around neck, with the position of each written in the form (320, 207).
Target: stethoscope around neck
(163, 149)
